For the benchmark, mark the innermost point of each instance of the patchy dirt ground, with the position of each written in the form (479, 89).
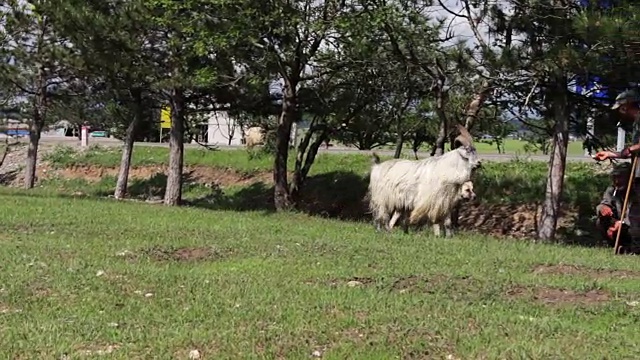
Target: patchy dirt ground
(563, 269)
(197, 174)
(326, 197)
(185, 253)
(508, 219)
(11, 170)
(559, 296)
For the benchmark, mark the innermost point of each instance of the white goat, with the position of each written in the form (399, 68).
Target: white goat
(386, 195)
(253, 137)
(417, 187)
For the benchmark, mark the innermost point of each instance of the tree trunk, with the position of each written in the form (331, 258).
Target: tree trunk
(438, 149)
(32, 153)
(301, 172)
(125, 160)
(281, 196)
(442, 132)
(557, 163)
(473, 109)
(399, 143)
(296, 182)
(173, 193)
(127, 148)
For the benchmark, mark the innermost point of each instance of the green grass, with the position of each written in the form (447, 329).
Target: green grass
(64, 156)
(518, 147)
(337, 188)
(274, 286)
(515, 181)
(240, 160)
(511, 147)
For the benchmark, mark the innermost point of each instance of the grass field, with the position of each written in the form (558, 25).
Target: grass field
(511, 147)
(84, 275)
(518, 147)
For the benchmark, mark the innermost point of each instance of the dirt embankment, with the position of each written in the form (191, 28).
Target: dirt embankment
(338, 195)
(331, 196)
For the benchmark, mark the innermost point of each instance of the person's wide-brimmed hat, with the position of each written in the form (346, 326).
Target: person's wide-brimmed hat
(625, 97)
(621, 169)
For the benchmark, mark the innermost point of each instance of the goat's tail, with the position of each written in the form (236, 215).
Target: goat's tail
(375, 159)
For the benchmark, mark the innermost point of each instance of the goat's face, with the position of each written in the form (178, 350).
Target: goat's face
(464, 144)
(470, 154)
(466, 191)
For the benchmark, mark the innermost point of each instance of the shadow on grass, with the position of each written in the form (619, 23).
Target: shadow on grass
(337, 195)
(509, 194)
(509, 200)
(9, 177)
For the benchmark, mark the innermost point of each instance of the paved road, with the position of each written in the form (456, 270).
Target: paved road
(54, 140)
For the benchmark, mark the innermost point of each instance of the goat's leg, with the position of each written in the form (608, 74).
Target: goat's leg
(380, 217)
(448, 229)
(394, 219)
(436, 229)
(405, 222)
(378, 224)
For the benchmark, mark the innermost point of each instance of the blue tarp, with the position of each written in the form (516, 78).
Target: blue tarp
(16, 132)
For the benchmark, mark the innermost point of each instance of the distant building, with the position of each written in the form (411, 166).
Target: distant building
(218, 128)
(14, 127)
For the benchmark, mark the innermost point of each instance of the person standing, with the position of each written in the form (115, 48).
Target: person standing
(628, 106)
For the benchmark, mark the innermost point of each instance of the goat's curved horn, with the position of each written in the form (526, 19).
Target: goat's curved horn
(464, 132)
(464, 138)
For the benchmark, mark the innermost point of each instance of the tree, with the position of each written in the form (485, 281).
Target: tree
(286, 40)
(166, 53)
(38, 63)
(192, 56)
(535, 72)
(113, 38)
(416, 42)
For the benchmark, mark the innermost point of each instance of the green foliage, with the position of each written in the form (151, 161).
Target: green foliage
(37, 61)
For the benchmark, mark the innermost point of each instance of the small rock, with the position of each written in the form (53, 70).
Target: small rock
(100, 273)
(354, 283)
(124, 253)
(316, 353)
(194, 354)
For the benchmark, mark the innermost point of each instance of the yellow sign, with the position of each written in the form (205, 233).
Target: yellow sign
(165, 118)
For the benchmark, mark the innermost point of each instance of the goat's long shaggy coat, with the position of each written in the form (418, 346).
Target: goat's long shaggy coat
(253, 137)
(389, 193)
(423, 188)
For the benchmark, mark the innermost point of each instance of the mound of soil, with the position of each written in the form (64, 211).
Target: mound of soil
(559, 296)
(564, 269)
(195, 174)
(508, 219)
